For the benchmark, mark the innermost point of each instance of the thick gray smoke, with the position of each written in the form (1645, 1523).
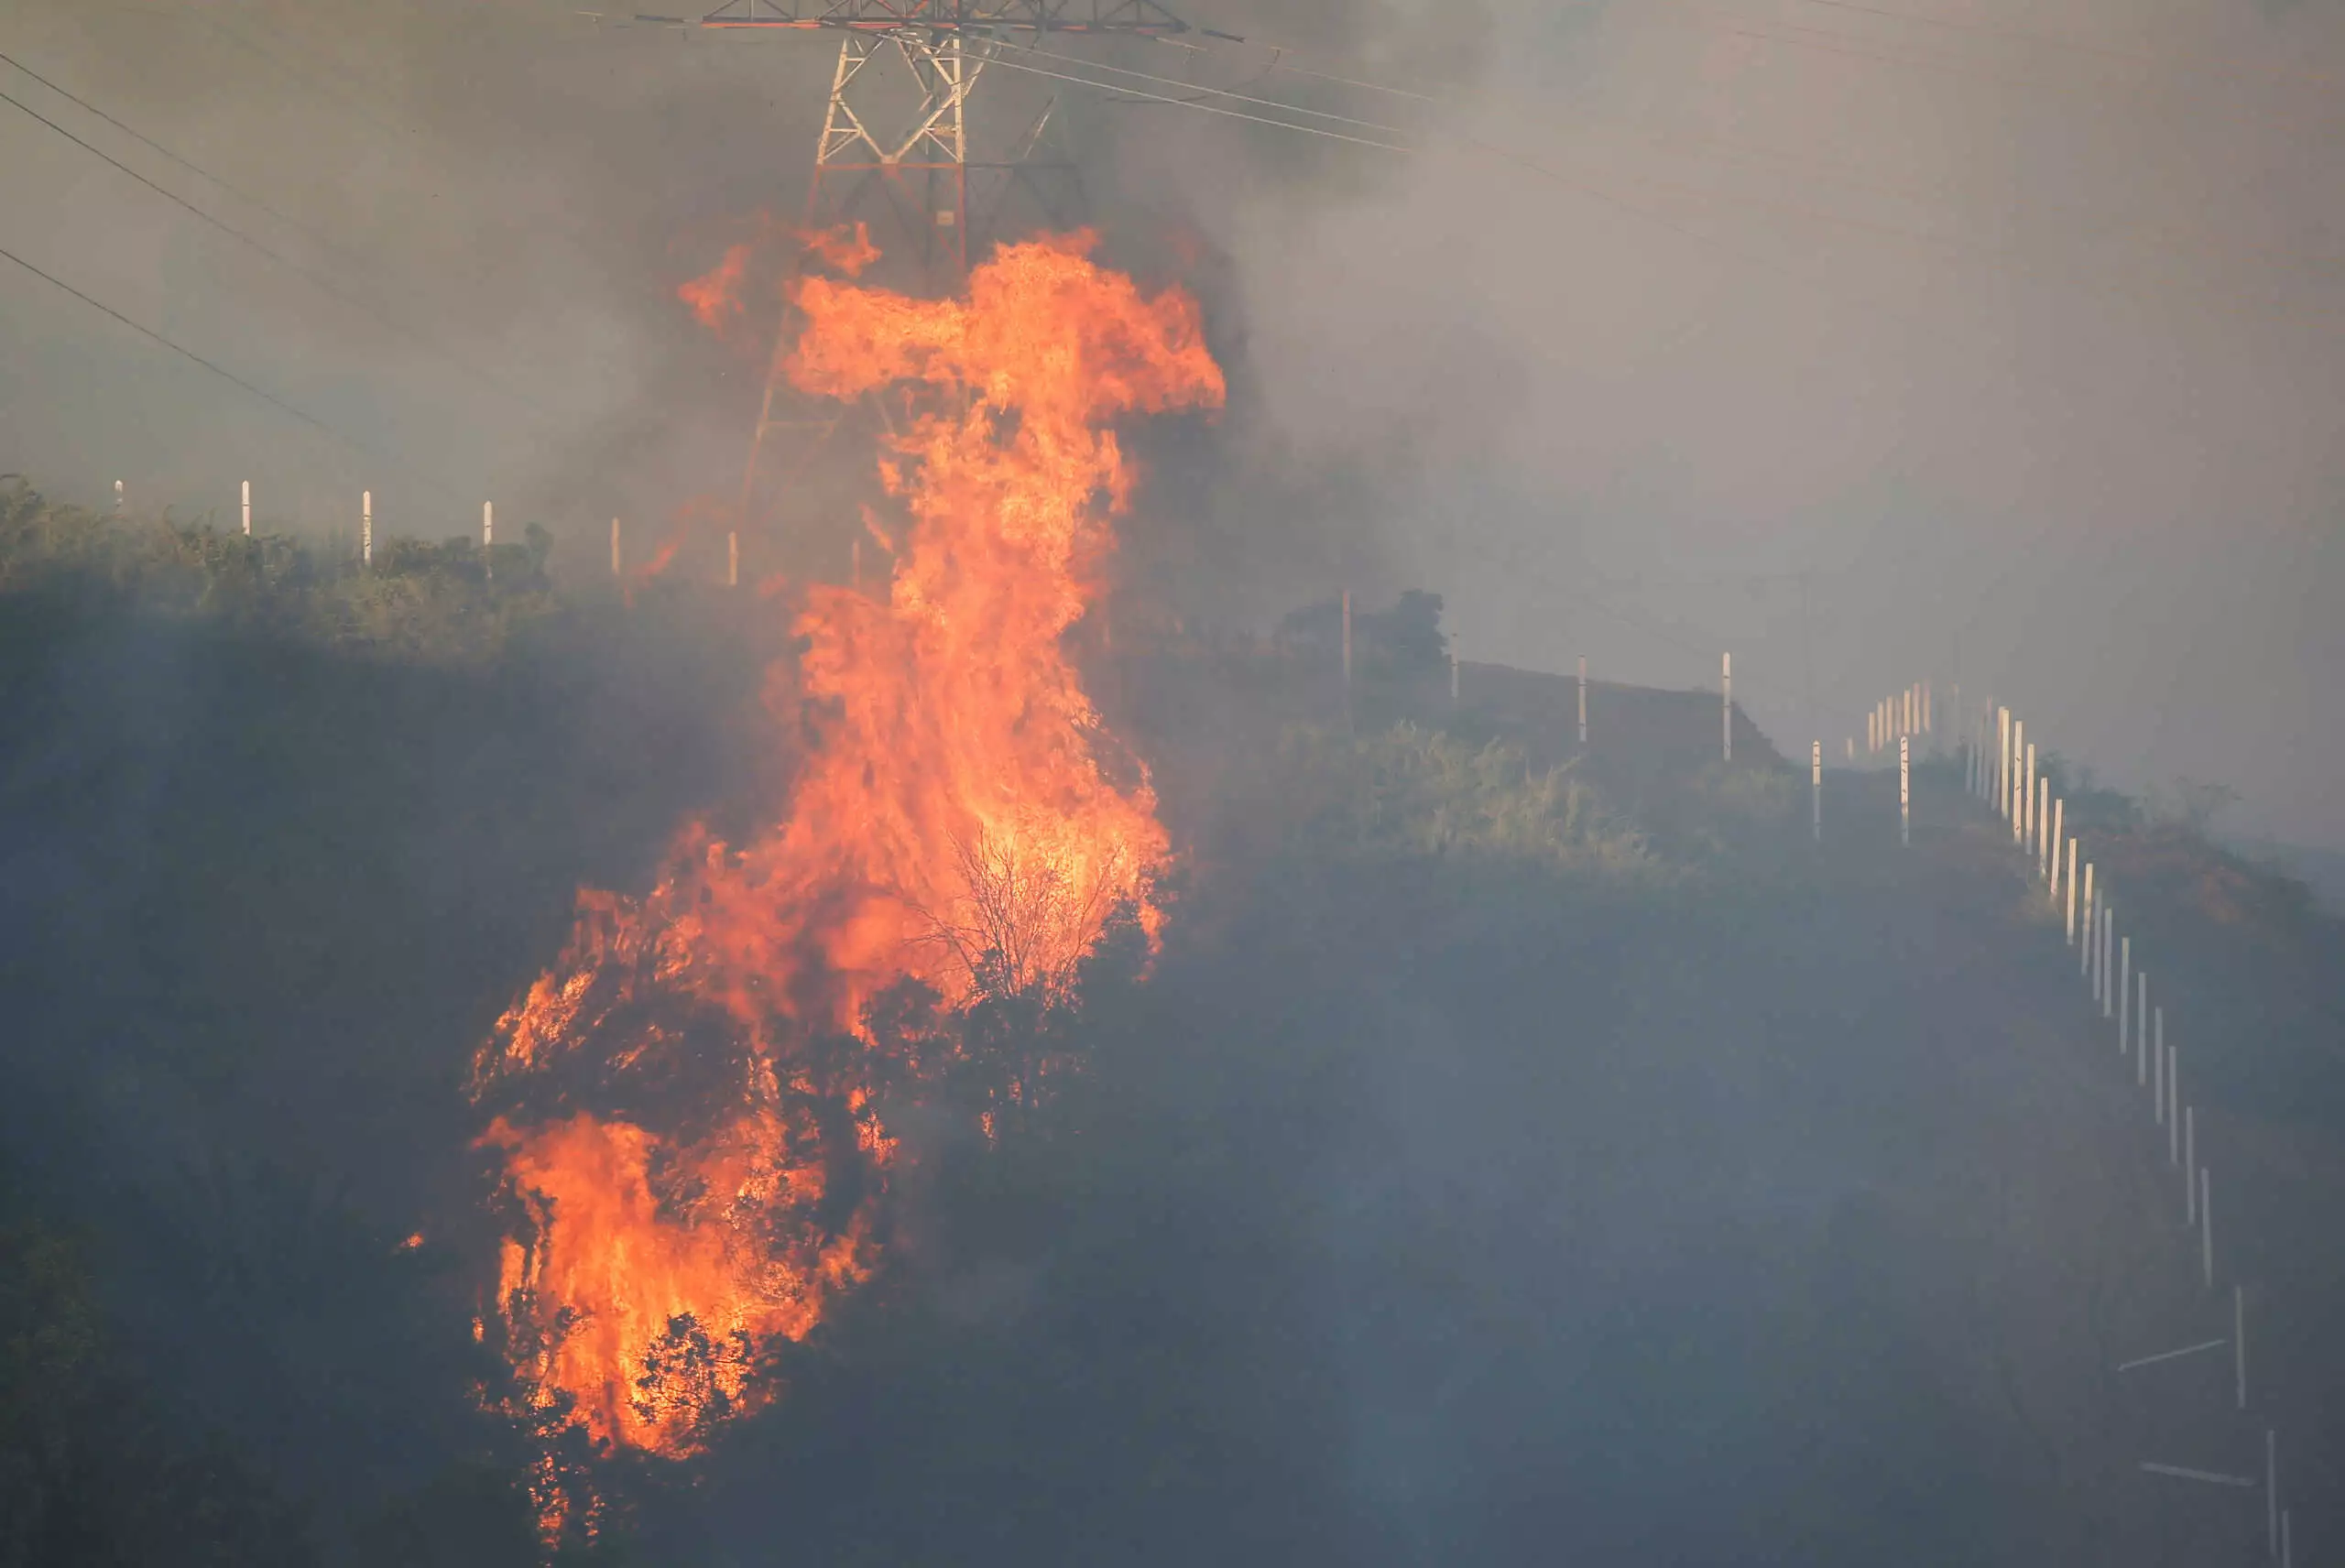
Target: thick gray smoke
(1994, 344)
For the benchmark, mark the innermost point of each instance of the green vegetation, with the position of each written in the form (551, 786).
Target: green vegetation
(417, 601)
(1406, 792)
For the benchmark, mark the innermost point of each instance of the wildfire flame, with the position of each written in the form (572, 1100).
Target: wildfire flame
(953, 824)
(717, 297)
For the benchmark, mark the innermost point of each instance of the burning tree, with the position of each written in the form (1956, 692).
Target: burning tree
(953, 828)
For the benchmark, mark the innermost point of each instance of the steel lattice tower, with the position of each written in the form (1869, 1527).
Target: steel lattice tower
(897, 153)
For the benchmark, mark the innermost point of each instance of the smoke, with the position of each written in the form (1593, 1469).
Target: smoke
(1997, 347)
(1994, 346)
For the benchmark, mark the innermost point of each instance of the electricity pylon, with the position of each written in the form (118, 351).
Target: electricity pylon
(897, 155)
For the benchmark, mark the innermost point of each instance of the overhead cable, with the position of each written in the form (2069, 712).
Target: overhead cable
(1209, 92)
(1283, 57)
(88, 107)
(1993, 253)
(1206, 108)
(322, 283)
(352, 442)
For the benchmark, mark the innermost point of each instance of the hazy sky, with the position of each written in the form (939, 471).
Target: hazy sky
(1992, 340)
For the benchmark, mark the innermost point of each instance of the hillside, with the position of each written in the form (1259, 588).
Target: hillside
(1495, 1164)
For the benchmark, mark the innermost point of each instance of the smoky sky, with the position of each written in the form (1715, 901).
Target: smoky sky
(1992, 343)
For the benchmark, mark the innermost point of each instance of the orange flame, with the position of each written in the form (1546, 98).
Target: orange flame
(715, 296)
(953, 824)
(848, 253)
(718, 297)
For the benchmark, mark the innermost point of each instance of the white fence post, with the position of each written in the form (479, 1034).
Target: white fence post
(2158, 1060)
(1726, 705)
(1904, 790)
(489, 537)
(2190, 1163)
(2124, 989)
(2142, 1028)
(2084, 953)
(365, 528)
(119, 500)
(249, 508)
(2100, 944)
(2027, 807)
(2002, 762)
(2173, 1100)
(2205, 1228)
(2019, 781)
(2271, 1493)
(2044, 828)
(2239, 1341)
(2059, 838)
(2109, 959)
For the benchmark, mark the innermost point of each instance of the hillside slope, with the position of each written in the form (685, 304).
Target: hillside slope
(1511, 1156)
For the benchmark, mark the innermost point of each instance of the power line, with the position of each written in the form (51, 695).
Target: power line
(1995, 255)
(323, 284)
(1206, 108)
(1353, 81)
(1211, 92)
(1852, 177)
(1281, 60)
(274, 401)
(92, 108)
(1590, 192)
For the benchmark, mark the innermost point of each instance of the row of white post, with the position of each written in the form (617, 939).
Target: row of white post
(1896, 718)
(732, 558)
(2005, 773)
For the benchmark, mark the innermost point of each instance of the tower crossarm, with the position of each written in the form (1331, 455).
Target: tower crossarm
(1122, 17)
